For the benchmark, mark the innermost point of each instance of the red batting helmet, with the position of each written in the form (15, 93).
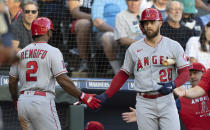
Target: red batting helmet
(151, 14)
(197, 66)
(40, 26)
(94, 125)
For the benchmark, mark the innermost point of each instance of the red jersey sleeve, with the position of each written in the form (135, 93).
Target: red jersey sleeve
(205, 81)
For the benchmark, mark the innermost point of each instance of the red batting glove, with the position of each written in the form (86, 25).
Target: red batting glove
(90, 100)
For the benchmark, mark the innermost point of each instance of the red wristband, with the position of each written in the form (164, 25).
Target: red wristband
(117, 82)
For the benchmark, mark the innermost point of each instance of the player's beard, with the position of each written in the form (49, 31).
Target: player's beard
(152, 35)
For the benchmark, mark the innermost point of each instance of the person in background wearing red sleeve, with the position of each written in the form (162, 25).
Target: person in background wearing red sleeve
(154, 83)
(193, 112)
(201, 89)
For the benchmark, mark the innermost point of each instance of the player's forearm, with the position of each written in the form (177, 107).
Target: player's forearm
(126, 41)
(74, 7)
(66, 83)
(102, 25)
(201, 5)
(13, 88)
(194, 92)
(79, 14)
(183, 76)
(117, 82)
(71, 89)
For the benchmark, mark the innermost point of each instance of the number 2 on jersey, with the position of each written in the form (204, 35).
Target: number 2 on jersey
(164, 77)
(32, 69)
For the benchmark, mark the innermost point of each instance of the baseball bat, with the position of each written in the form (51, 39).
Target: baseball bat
(168, 62)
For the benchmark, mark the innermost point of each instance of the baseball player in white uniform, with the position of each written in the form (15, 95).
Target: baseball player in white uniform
(41, 65)
(154, 83)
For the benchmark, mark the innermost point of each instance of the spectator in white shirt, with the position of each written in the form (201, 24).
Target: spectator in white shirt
(127, 23)
(198, 48)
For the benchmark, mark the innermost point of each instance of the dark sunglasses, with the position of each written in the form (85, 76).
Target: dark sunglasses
(28, 11)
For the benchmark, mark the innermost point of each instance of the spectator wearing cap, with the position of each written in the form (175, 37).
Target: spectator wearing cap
(103, 16)
(22, 27)
(195, 112)
(198, 48)
(94, 125)
(172, 27)
(189, 18)
(15, 10)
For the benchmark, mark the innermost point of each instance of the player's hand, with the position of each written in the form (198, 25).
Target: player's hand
(129, 116)
(102, 97)
(179, 91)
(167, 87)
(90, 100)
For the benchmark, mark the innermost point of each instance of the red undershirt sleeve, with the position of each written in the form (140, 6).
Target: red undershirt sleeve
(119, 79)
(205, 81)
(183, 76)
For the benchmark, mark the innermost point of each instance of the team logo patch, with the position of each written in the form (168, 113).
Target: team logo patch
(204, 107)
(153, 16)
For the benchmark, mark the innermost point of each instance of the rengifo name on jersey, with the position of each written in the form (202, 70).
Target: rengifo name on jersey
(33, 53)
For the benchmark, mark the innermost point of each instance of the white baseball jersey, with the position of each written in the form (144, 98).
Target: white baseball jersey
(145, 62)
(40, 64)
(193, 49)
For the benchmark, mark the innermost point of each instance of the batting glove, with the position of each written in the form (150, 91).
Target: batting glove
(102, 97)
(90, 100)
(167, 87)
